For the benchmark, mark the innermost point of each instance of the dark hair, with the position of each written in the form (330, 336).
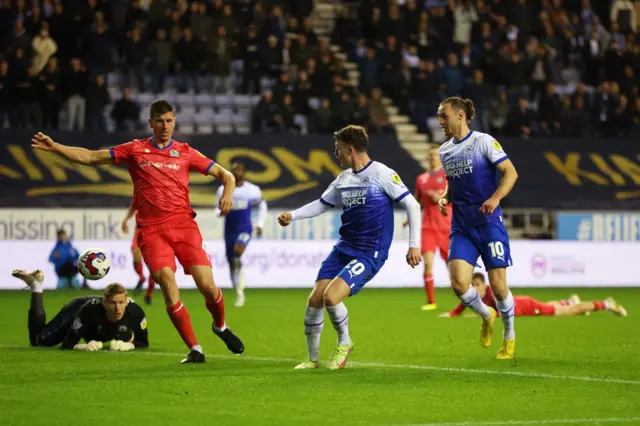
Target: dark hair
(237, 163)
(478, 275)
(61, 232)
(114, 289)
(353, 135)
(465, 105)
(159, 107)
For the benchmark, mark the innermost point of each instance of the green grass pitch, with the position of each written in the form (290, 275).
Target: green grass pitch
(408, 367)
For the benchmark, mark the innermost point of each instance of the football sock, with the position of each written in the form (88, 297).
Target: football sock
(313, 325)
(471, 299)
(429, 288)
(339, 316)
(216, 307)
(600, 306)
(138, 267)
(182, 322)
(151, 287)
(36, 287)
(197, 348)
(507, 308)
(37, 317)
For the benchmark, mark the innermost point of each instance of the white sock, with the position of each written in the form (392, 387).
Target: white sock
(36, 286)
(339, 316)
(197, 348)
(313, 325)
(607, 305)
(471, 299)
(507, 308)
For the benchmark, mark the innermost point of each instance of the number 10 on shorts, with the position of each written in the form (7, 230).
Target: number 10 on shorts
(497, 249)
(354, 268)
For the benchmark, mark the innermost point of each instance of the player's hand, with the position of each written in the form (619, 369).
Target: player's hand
(490, 205)
(258, 231)
(285, 219)
(445, 315)
(94, 345)
(413, 257)
(225, 204)
(442, 205)
(405, 224)
(125, 227)
(42, 141)
(119, 345)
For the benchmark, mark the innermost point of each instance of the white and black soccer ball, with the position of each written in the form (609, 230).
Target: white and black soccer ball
(93, 264)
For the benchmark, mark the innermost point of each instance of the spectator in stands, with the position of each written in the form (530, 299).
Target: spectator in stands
(97, 100)
(134, 53)
(303, 90)
(603, 109)
(220, 58)
(635, 119)
(360, 113)
(43, 47)
(549, 111)
(521, 120)
(322, 118)
(264, 113)
(251, 56)
(624, 16)
(75, 91)
(126, 112)
(51, 94)
(272, 58)
(6, 114)
(189, 61)
(464, 16)
(161, 56)
(287, 113)
(500, 113)
(378, 114)
(481, 95)
(28, 100)
(452, 76)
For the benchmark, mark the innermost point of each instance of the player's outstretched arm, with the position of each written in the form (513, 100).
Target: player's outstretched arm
(76, 154)
(225, 202)
(313, 209)
(413, 217)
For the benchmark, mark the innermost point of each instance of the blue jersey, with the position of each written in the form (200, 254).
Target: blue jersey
(245, 197)
(470, 166)
(367, 198)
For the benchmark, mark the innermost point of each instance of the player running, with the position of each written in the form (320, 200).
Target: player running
(238, 228)
(471, 161)
(367, 191)
(528, 306)
(430, 187)
(159, 168)
(112, 321)
(137, 257)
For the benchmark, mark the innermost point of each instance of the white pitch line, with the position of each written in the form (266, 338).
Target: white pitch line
(394, 366)
(533, 422)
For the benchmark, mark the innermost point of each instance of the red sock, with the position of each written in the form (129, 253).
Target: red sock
(182, 322)
(429, 288)
(599, 306)
(139, 271)
(151, 287)
(216, 307)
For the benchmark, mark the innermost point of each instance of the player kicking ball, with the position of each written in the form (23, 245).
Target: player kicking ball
(238, 227)
(159, 168)
(367, 192)
(526, 306)
(112, 321)
(430, 187)
(472, 161)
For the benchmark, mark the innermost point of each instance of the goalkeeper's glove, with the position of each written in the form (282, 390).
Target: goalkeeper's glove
(92, 346)
(119, 345)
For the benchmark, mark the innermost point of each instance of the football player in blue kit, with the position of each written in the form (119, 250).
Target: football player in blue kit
(367, 191)
(479, 175)
(238, 227)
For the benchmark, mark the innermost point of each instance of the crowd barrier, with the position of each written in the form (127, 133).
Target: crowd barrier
(294, 264)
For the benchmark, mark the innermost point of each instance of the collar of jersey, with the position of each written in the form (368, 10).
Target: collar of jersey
(153, 142)
(463, 139)
(364, 168)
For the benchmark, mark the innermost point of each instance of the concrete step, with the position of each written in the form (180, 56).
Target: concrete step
(392, 110)
(406, 128)
(398, 119)
(418, 138)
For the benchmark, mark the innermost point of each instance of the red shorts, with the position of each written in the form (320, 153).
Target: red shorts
(530, 307)
(134, 242)
(161, 244)
(434, 238)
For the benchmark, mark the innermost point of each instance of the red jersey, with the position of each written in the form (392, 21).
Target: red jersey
(161, 178)
(426, 184)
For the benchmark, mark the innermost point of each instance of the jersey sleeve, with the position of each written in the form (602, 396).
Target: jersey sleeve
(198, 161)
(493, 151)
(393, 185)
(77, 330)
(123, 152)
(140, 332)
(331, 197)
(418, 188)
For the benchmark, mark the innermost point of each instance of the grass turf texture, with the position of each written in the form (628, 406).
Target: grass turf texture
(408, 367)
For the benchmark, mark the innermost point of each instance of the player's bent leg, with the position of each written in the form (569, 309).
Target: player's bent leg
(37, 317)
(137, 266)
(506, 305)
(313, 324)
(337, 291)
(429, 286)
(237, 277)
(214, 301)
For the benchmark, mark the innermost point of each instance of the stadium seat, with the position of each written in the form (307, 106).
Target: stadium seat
(223, 121)
(223, 101)
(204, 121)
(186, 129)
(144, 98)
(203, 100)
(242, 101)
(185, 99)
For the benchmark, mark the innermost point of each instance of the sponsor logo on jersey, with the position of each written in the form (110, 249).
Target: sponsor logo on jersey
(77, 323)
(174, 153)
(157, 165)
(143, 323)
(458, 168)
(396, 179)
(353, 197)
(497, 145)
(147, 150)
(123, 328)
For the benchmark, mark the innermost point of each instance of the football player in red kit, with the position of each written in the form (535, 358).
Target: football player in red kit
(430, 186)
(166, 229)
(526, 306)
(137, 257)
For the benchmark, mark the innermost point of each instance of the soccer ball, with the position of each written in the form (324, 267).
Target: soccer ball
(93, 264)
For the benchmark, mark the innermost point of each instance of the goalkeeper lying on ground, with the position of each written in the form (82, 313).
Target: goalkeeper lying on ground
(112, 321)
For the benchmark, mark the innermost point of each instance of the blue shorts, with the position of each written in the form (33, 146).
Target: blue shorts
(490, 241)
(230, 241)
(356, 271)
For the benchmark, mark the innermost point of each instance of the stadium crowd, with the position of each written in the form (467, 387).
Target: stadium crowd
(533, 67)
